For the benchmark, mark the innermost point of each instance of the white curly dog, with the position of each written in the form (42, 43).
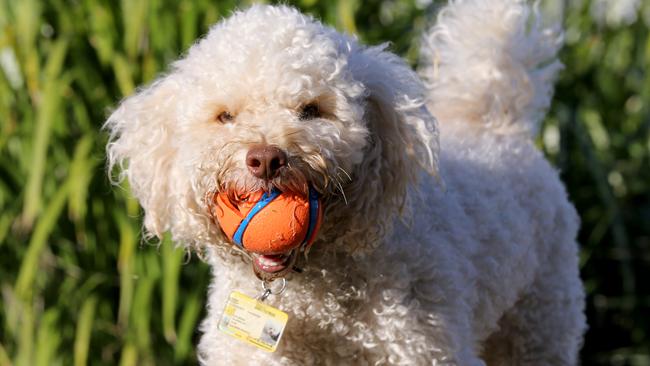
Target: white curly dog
(443, 243)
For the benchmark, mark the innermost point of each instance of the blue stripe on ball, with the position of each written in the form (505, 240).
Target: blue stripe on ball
(313, 213)
(263, 202)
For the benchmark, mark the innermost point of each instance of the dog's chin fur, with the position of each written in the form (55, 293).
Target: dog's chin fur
(457, 254)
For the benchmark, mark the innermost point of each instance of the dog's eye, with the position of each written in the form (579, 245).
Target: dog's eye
(225, 117)
(309, 111)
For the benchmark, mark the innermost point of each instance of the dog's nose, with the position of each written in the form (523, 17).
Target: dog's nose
(265, 161)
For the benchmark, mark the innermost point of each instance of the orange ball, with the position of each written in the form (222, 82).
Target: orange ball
(269, 223)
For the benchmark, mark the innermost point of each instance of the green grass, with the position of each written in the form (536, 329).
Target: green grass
(79, 286)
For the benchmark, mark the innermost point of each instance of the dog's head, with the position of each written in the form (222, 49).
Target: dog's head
(271, 98)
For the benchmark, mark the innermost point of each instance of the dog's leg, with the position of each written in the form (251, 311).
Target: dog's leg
(544, 328)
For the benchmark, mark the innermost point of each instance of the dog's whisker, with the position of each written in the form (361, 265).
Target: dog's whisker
(291, 133)
(346, 173)
(340, 189)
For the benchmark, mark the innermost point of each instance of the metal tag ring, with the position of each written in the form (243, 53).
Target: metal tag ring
(266, 285)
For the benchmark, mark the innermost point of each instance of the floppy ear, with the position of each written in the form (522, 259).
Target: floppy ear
(403, 139)
(140, 144)
(405, 131)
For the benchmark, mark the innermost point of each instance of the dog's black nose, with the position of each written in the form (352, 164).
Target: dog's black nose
(265, 161)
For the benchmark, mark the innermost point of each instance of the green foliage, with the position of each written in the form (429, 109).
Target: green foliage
(78, 284)
(601, 114)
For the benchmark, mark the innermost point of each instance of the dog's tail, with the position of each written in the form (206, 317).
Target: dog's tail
(493, 62)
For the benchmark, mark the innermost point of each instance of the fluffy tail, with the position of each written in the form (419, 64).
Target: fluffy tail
(491, 62)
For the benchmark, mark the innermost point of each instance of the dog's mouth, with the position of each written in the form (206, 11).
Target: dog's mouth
(270, 266)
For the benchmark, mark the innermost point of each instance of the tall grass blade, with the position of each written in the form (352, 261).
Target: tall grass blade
(345, 11)
(55, 57)
(27, 21)
(84, 332)
(129, 355)
(4, 357)
(172, 259)
(187, 325)
(188, 24)
(29, 265)
(48, 338)
(47, 111)
(102, 30)
(148, 268)
(81, 171)
(24, 357)
(125, 266)
(134, 16)
(124, 75)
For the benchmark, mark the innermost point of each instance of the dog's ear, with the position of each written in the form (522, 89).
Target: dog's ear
(404, 133)
(403, 136)
(141, 147)
(403, 128)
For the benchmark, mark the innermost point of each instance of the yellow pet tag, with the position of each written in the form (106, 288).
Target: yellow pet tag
(252, 321)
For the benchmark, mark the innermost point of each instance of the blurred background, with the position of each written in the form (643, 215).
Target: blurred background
(79, 286)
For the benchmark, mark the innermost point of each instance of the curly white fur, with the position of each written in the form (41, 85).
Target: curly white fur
(404, 271)
(491, 62)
